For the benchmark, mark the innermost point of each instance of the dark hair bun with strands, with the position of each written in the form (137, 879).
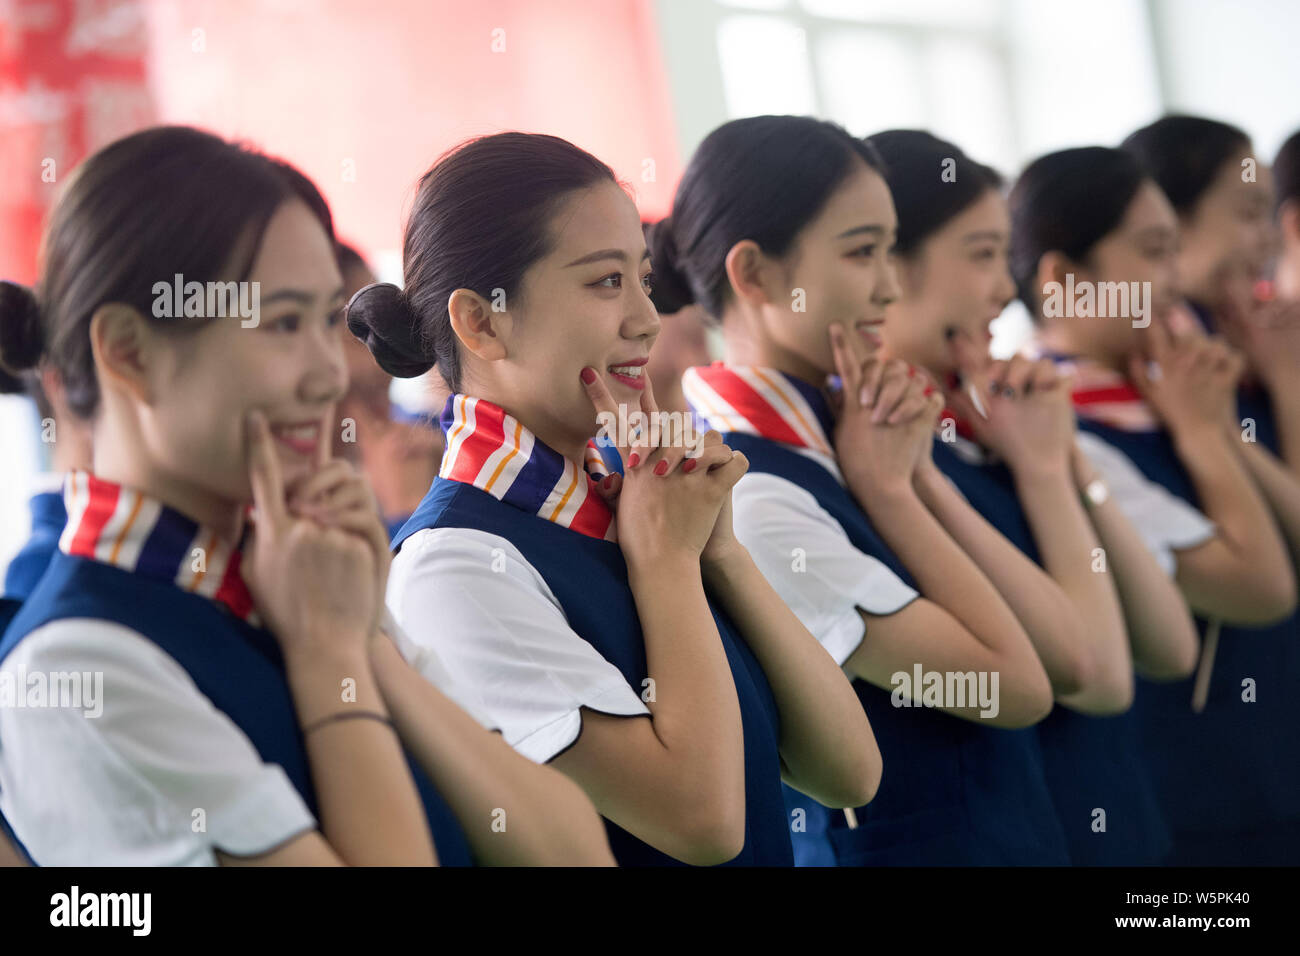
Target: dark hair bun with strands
(672, 289)
(382, 318)
(22, 340)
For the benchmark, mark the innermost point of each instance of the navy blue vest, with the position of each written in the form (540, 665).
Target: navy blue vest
(953, 792)
(589, 578)
(48, 518)
(235, 665)
(1234, 767)
(1089, 762)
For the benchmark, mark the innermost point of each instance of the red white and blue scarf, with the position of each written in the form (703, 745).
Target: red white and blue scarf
(1102, 395)
(761, 401)
(494, 452)
(128, 529)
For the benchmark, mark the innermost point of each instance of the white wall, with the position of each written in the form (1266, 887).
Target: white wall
(1235, 61)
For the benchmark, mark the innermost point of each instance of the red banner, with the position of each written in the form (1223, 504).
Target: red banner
(72, 78)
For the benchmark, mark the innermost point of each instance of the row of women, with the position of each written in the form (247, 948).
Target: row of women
(901, 603)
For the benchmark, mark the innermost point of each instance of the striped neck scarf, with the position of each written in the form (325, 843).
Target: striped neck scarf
(763, 402)
(494, 452)
(128, 529)
(1105, 396)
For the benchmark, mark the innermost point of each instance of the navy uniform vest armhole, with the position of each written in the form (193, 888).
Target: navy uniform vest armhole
(1088, 762)
(589, 579)
(1234, 768)
(235, 665)
(953, 792)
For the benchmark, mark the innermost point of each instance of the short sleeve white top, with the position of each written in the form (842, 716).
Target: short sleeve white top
(487, 614)
(807, 557)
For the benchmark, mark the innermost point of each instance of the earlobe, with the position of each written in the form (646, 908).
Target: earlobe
(745, 271)
(479, 327)
(1052, 267)
(121, 340)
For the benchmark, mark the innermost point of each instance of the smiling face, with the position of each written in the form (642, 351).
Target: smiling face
(1229, 231)
(957, 279)
(1142, 248)
(290, 365)
(585, 303)
(839, 269)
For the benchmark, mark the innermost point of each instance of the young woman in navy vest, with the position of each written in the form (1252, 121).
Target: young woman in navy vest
(1014, 459)
(782, 229)
(1162, 408)
(567, 607)
(1224, 200)
(249, 691)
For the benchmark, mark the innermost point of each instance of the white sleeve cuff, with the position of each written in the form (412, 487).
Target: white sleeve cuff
(268, 813)
(810, 562)
(546, 743)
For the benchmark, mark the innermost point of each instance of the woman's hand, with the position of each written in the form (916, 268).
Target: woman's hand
(1269, 335)
(1190, 381)
(672, 495)
(1030, 418)
(310, 583)
(887, 415)
(338, 496)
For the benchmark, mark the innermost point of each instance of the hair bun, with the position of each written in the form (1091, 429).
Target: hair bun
(381, 317)
(672, 289)
(22, 340)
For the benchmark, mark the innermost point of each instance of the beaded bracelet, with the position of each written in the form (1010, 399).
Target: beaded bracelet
(348, 715)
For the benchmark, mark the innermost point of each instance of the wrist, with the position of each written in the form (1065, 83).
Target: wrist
(662, 565)
(927, 479)
(314, 655)
(1193, 436)
(875, 497)
(1038, 470)
(328, 681)
(726, 565)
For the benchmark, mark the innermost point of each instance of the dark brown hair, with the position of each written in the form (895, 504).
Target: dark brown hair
(481, 218)
(164, 201)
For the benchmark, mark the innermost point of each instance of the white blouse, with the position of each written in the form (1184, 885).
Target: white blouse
(1166, 523)
(807, 557)
(474, 601)
(159, 776)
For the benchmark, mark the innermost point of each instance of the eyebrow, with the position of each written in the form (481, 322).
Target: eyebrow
(986, 234)
(600, 254)
(877, 230)
(299, 296)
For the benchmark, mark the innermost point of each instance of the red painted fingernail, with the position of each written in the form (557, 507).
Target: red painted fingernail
(929, 390)
(589, 375)
(690, 464)
(609, 480)
(911, 371)
(632, 459)
(662, 467)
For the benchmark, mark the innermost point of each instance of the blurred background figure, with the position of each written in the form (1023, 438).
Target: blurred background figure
(683, 339)
(65, 445)
(398, 451)
(1286, 204)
